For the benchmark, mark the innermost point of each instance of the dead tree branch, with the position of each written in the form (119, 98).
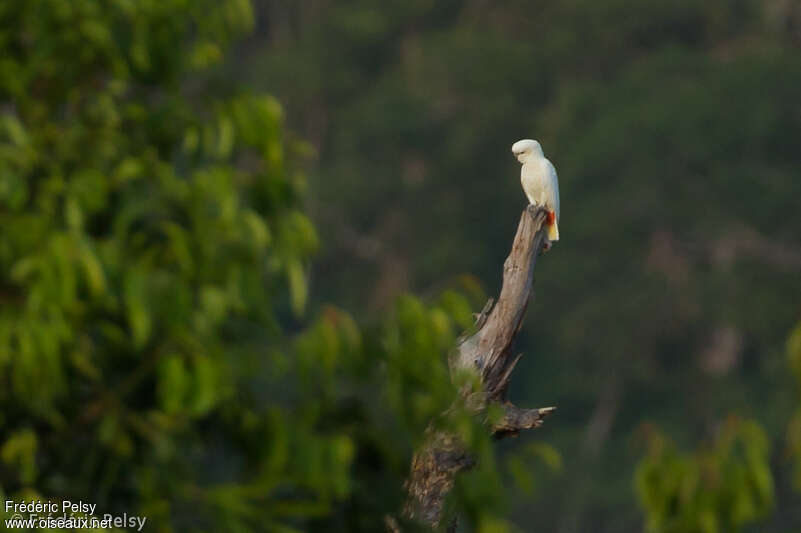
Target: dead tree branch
(487, 352)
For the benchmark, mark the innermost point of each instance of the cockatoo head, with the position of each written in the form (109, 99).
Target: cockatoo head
(526, 150)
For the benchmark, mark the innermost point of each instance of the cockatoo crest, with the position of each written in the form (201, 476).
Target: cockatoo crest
(526, 149)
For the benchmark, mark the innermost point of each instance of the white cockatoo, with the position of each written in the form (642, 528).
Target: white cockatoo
(539, 181)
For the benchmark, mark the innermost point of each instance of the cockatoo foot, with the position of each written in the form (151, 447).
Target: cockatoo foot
(546, 246)
(551, 218)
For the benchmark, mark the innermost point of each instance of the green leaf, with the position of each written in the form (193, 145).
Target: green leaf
(173, 384)
(19, 452)
(205, 385)
(298, 289)
(137, 305)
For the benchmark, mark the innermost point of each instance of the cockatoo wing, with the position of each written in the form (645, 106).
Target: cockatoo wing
(552, 188)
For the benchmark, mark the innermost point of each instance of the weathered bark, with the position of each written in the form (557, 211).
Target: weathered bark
(487, 352)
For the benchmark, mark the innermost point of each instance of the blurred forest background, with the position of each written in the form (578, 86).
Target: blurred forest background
(206, 310)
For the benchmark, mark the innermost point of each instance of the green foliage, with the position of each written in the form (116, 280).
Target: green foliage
(721, 488)
(154, 358)
(152, 237)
